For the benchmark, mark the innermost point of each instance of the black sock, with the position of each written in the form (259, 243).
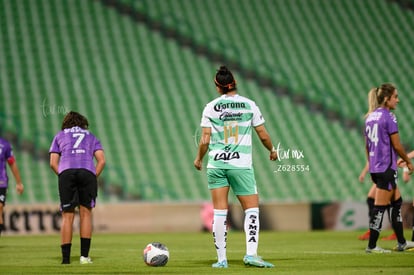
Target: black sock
(1, 228)
(85, 246)
(396, 220)
(370, 202)
(412, 236)
(375, 224)
(66, 253)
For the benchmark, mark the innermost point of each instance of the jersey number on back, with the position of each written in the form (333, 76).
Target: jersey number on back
(231, 129)
(372, 133)
(79, 137)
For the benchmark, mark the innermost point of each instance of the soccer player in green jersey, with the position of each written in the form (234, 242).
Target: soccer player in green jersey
(227, 124)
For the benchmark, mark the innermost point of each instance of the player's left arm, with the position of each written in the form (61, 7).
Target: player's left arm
(202, 147)
(16, 173)
(399, 148)
(266, 140)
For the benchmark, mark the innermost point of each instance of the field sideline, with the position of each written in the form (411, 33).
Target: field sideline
(320, 252)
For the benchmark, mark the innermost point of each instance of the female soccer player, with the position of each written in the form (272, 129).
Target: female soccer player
(71, 158)
(227, 124)
(6, 156)
(406, 178)
(372, 106)
(382, 146)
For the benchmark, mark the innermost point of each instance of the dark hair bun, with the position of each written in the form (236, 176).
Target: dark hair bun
(223, 69)
(224, 79)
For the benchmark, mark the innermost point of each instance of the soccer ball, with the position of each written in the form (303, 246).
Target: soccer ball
(156, 254)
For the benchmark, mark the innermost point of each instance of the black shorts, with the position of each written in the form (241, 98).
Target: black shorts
(77, 187)
(3, 192)
(386, 180)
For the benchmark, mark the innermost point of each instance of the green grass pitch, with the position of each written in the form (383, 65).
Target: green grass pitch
(320, 252)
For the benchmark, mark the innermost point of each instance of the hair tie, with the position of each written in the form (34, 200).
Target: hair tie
(228, 86)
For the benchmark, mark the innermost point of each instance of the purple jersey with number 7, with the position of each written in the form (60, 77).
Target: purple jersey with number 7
(76, 147)
(379, 126)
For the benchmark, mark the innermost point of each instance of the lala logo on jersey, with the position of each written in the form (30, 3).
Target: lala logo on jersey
(227, 155)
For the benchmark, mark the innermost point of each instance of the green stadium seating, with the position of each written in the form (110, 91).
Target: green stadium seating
(143, 84)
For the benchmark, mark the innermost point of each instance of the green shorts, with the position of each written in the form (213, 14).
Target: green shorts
(241, 181)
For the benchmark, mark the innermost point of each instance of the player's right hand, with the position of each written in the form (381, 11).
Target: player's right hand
(273, 155)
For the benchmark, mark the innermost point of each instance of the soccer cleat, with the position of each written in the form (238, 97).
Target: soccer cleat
(222, 264)
(377, 250)
(390, 237)
(85, 260)
(256, 261)
(408, 246)
(364, 236)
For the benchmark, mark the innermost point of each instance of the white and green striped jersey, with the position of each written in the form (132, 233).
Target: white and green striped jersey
(231, 119)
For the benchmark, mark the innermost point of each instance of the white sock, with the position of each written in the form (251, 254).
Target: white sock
(251, 228)
(220, 233)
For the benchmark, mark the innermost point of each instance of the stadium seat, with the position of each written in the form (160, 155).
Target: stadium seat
(143, 89)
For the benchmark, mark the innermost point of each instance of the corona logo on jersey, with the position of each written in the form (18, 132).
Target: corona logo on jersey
(232, 105)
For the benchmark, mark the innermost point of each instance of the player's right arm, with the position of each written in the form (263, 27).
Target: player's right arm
(54, 162)
(364, 172)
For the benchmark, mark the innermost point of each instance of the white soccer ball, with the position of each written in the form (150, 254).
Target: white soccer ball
(156, 254)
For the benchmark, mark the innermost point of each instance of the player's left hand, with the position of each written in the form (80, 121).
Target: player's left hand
(198, 164)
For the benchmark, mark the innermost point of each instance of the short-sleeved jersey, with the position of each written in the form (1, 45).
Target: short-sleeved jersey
(6, 153)
(76, 147)
(231, 119)
(379, 126)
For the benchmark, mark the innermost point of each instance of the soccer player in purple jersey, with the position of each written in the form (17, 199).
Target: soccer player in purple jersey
(372, 106)
(406, 178)
(72, 156)
(382, 146)
(6, 156)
